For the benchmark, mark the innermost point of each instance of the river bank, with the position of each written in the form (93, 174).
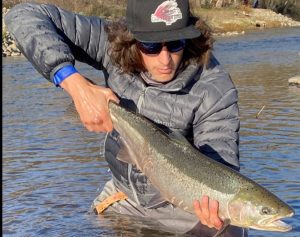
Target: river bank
(223, 22)
(232, 21)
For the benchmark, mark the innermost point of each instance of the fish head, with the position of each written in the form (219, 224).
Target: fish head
(257, 208)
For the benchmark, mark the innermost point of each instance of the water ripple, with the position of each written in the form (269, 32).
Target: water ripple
(52, 167)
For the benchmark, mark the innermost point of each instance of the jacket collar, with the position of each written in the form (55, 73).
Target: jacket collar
(180, 81)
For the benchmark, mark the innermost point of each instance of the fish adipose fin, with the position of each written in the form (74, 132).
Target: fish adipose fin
(225, 226)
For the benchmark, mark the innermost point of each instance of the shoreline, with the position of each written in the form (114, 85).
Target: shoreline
(235, 21)
(224, 22)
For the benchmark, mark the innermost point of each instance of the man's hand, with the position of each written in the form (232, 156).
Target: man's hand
(91, 102)
(207, 212)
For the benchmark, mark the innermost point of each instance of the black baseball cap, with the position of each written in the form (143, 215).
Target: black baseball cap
(160, 20)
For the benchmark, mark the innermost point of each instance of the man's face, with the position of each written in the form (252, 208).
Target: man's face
(162, 66)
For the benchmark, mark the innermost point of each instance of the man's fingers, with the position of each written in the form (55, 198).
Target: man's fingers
(205, 207)
(214, 217)
(98, 128)
(201, 210)
(207, 212)
(213, 207)
(110, 95)
(198, 212)
(99, 124)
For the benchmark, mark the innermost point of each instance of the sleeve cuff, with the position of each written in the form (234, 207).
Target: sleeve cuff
(62, 74)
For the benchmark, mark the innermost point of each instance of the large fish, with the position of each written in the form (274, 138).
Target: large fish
(182, 174)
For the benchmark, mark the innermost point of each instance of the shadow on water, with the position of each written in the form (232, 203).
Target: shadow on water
(52, 167)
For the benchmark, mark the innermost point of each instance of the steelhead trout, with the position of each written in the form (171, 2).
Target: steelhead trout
(182, 174)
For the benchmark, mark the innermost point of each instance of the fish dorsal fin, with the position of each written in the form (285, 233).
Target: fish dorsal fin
(225, 226)
(178, 138)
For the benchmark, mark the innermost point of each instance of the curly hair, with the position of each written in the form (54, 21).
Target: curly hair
(125, 54)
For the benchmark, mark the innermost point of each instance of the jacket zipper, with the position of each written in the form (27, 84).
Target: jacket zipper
(144, 91)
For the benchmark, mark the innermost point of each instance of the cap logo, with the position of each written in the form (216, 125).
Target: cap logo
(167, 12)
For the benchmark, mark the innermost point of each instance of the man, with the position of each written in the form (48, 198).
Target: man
(256, 4)
(157, 63)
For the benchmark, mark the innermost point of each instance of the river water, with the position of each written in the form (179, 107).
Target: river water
(53, 169)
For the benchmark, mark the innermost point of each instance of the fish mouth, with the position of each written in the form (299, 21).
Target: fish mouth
(275, 224)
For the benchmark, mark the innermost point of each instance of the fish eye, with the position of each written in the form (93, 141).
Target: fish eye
(266, 211)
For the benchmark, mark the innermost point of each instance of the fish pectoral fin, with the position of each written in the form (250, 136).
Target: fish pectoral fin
(225, 226)
(125, 153)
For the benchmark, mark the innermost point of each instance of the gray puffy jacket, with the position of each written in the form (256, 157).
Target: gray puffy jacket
(200, 103)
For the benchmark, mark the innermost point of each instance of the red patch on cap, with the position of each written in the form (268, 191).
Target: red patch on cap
(167, 12)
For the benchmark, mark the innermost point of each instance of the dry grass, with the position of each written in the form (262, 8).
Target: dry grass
(238, 18)
(105, 8)
(241, 18)
(111, 8)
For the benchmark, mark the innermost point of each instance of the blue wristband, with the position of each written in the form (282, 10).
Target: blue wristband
(63, 73)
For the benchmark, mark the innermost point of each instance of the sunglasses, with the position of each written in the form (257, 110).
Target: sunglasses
(155, 48)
